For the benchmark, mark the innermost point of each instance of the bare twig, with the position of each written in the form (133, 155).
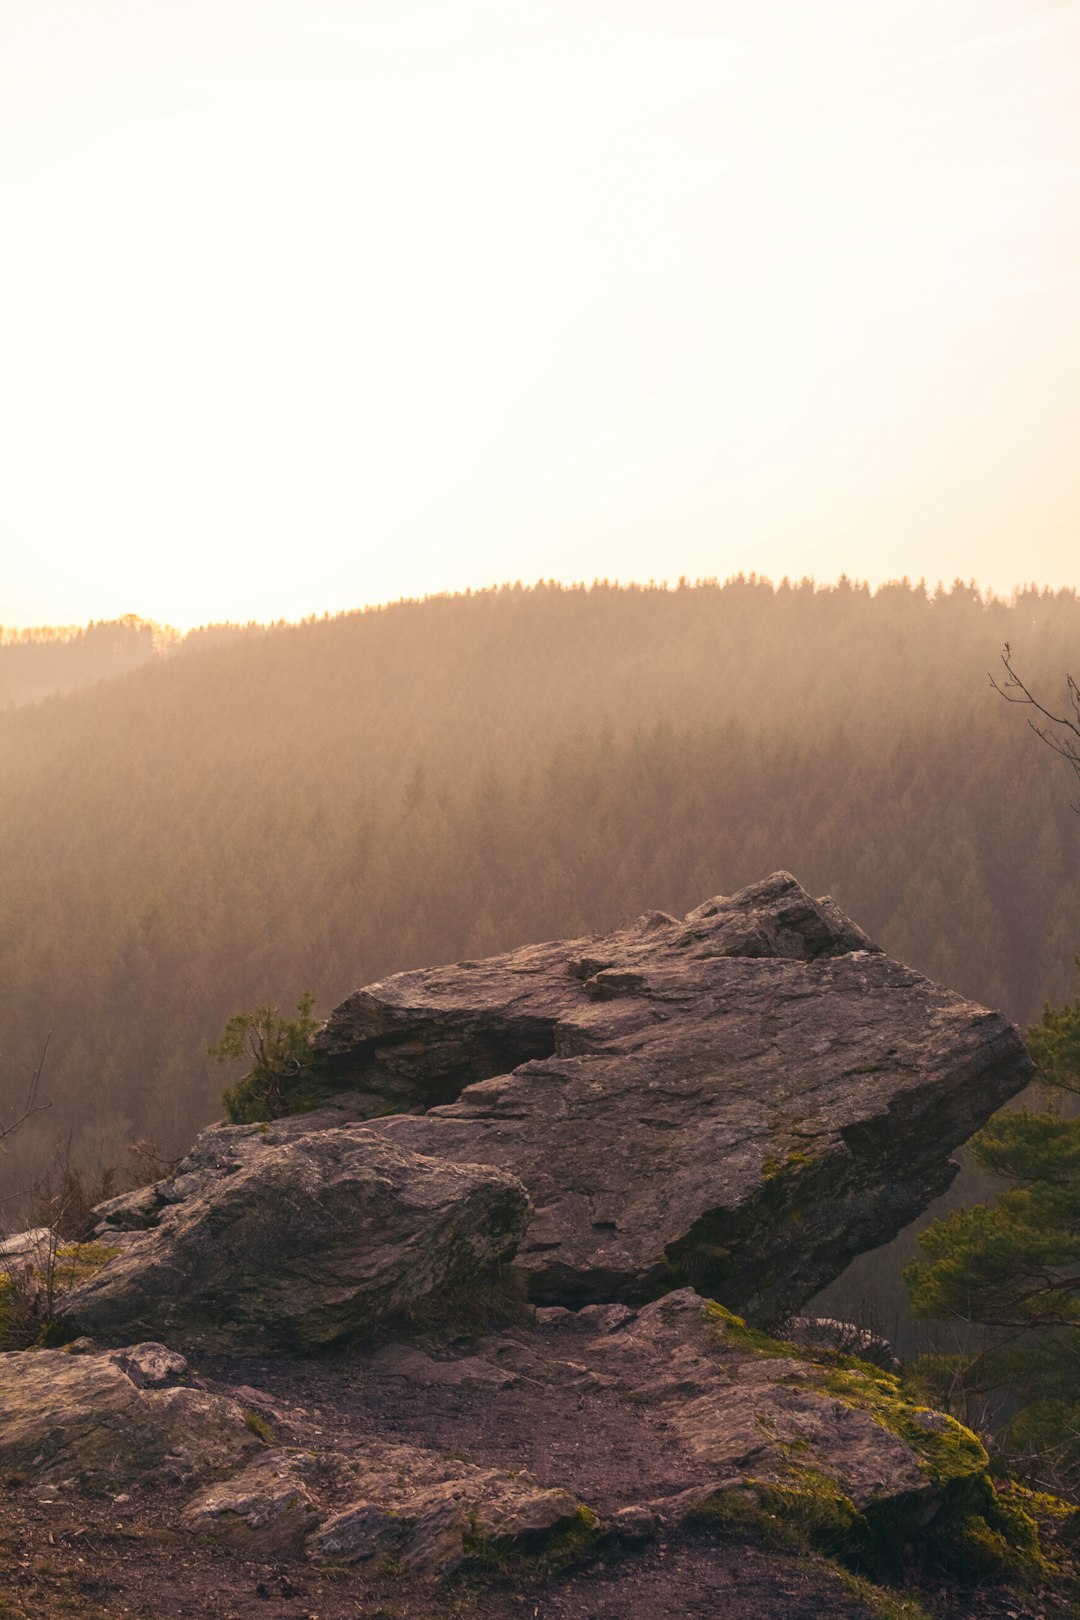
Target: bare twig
(31, 1105)
(1061, 732)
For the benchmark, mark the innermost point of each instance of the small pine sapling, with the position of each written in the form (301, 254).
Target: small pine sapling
(286, 1073)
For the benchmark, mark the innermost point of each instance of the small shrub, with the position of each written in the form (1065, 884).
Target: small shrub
(30, 1289)
(286, 1074)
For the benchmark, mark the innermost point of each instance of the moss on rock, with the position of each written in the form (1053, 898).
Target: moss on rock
(946, 1450)
(802, 1495)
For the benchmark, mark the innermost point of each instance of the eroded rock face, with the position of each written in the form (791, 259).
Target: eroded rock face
(100, 1422)
(428, 1513)
(292, 1239)
(743, 1100)
(267, 1509)
(417, 1039)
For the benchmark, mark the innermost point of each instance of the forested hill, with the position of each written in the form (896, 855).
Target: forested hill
(36, 664)
(324, 804)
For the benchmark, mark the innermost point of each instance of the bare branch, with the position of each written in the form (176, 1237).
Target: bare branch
(1061, 732)
(31, 1105)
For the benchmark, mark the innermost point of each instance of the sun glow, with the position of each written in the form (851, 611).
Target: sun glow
(309, 305)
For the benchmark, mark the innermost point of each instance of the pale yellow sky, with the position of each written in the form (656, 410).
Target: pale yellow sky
(311, 303)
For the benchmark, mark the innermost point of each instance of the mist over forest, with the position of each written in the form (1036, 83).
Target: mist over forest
(191, 826)
(41, 663)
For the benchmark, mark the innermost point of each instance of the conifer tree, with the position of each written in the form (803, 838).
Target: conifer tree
(285, 1071)
(1014, 1266)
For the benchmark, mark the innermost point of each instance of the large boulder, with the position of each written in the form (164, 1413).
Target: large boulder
(742, 1100)
(291, 1239)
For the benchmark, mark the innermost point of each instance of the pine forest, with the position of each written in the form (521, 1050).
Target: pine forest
(190, 826)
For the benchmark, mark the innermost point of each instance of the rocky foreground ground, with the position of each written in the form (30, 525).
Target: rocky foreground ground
(450, 1344)
(602, 1463)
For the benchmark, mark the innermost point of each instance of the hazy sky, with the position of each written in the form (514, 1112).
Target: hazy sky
(310, 303)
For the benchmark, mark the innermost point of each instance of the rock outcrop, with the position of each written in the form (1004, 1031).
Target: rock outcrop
(295, 1238)
(430, 1513)
(766, 1419)
(742, 1101)
(597, 1429)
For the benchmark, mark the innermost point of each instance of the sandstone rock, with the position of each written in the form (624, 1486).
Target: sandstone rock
(220, 1150)
(299, 1238)
(604, 1318)
(417, 1039)
(83, 1422)
(147, 1364)
(749, 1416)
(742, 1101)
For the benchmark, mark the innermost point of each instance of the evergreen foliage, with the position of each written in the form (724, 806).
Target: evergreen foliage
(1055, 1043)
(331, 802)
(1014, 1266)
(36, 664)
(284, 1076)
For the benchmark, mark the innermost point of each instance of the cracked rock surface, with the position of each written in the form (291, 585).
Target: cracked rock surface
(300, 1237)
(100, 1421)
(742, 1101)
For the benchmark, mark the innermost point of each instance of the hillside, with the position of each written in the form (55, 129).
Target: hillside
(328, 803)
(36, 664)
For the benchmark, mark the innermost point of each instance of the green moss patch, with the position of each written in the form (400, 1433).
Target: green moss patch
(882, 1603)
(75, 1262)
(736, 1331)
(794, 1161)
(978, 1529)
(492, 1558)
(946, 1450)
(257, 1424)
